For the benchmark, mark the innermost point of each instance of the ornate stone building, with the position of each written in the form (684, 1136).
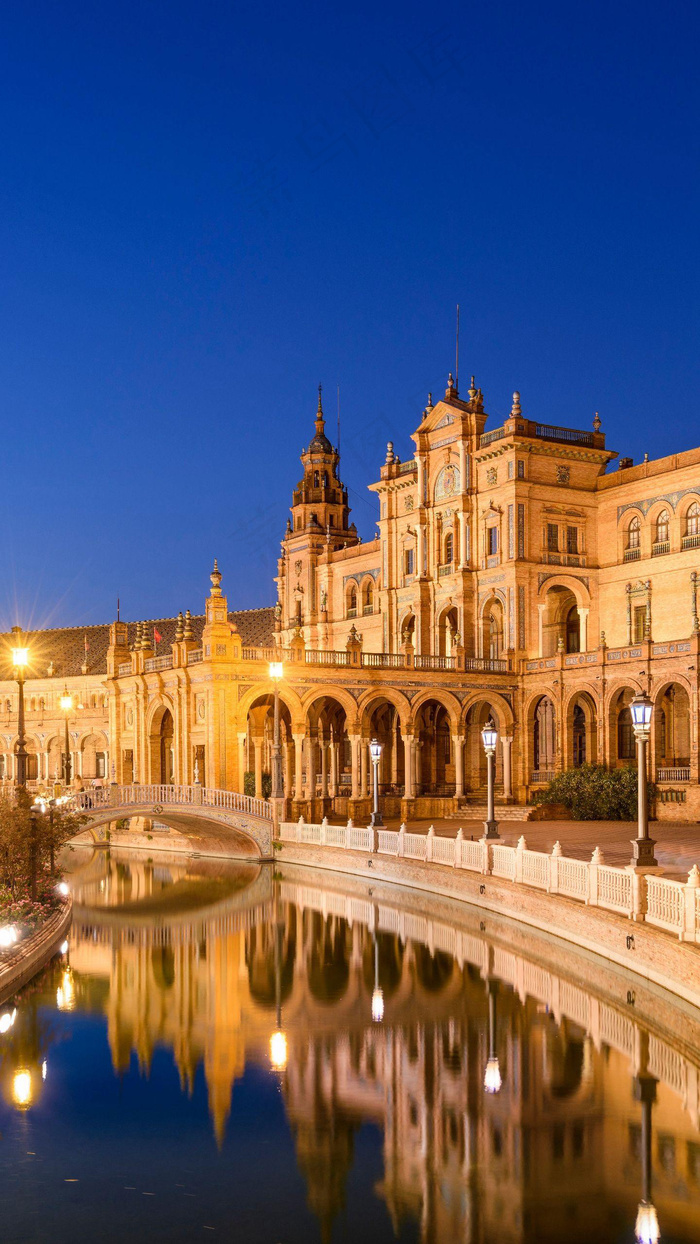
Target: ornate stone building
(516, 573)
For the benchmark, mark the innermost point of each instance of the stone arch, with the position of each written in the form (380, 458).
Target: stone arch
(367, 594)
(383, 717)
(620, 732)
(160, 733)
(288, 696)
(689, 515)
(479, 709)
(492, 628)
(671, 728)
(543, 735)
(93, 755)
(447, 628)
(323, 760)
(256, 747)
(351, 599)
(581, 729)
(563, 604)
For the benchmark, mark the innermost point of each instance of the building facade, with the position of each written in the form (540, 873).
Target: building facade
(515, 574)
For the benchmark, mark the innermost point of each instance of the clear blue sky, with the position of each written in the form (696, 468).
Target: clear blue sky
(208, 208)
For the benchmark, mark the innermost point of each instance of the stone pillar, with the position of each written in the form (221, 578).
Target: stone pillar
(324, 766)
(507, 744)
(258, 748)
(409, 765)
(355, 743)
(540, 628)
(364, 767)
(583, 629)
(394, 771)
(242, 736)
(458, 746)
(462, 540)
(310, 767)
(333, 790)
(298, 765)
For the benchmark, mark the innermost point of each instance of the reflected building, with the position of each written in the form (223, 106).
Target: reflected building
(554, 1154)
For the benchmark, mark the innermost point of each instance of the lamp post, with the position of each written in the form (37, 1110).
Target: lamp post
(489, 737)
(276, 673)
(377, 993)
(67, 706)
(643, 846)
(278, 1040)
(646, 1228)
(492, 1074)
(375, 751)
(20, 660)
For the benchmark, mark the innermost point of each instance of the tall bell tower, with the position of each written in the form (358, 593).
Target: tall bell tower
(319, 525)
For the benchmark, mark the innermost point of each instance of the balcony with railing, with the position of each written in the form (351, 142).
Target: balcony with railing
(690, 542)
(660, 547)
(544, 432)
(679, 774)
(123, 669)
(633, 554)
(448, 568)
(195, 656)
(153, 664)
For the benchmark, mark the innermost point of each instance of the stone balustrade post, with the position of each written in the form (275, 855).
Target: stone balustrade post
(429, 844)
(596, 861)
(639, 894)
(690, 931)
(300, 827)
(458, 849)
(324, 827)
(400, 847)
(486, 856)
(522, 846)
(554, 868)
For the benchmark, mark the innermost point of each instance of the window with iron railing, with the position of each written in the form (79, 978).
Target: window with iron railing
(552, 538)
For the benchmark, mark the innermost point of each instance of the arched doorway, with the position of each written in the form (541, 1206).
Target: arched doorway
(448, 631)
(579, 736)
(435, 763)
(475, 764)
(492, 629)
(671, 724)
(560, 622)
(582, 747)
(166, 755)
(621, 729)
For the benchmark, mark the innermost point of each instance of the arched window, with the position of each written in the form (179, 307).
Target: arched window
(573, 630)
(634, 533)
(662, 527)
(325, 479)
(692, 520)
(316, 479)
(449, 548)
(625, 736)
(368, 597)
(352, 602)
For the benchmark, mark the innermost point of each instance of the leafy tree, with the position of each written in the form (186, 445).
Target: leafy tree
(249, 784)
(30, 836)
(594, 793)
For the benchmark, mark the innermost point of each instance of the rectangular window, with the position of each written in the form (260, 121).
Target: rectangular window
(640, 617)
(552, 538)
(521, 469)
(408, 561)
(511, 467)
(572, 539)
(492, 541)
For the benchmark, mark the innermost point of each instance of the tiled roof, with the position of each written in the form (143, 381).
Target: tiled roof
(65, 646)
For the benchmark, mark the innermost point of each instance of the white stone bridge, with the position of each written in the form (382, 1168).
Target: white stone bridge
(238, 823)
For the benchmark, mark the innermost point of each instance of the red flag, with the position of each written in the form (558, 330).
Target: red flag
(157, 635)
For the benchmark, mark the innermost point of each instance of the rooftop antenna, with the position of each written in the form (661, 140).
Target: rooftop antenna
(338, 420)
(457, 354)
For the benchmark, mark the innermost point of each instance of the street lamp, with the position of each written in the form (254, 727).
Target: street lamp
(276, 673)
(641, 710)
(489, 737)
(375, 751)
(646, 1227)
(492, 1074)
(278, 1040)
(20, 660)
(66, 702)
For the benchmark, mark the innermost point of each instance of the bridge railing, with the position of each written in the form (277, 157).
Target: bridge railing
(137, 794)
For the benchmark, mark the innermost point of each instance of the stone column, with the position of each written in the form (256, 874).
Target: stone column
(394, 779)
(409, 765)
(583, 629)
(333, 791)
(298, 765)
(258, 748)
(241, 760)
(462, 540)
(355, 743)
(458, 746)
(324, 766)
(507, 744)
(540, 628)
(311, 767)
(364, 767)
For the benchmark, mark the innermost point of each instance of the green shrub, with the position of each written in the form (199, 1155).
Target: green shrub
(594, 793)
(249, 784)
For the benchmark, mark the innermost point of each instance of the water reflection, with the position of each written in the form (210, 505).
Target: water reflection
(516, 1101)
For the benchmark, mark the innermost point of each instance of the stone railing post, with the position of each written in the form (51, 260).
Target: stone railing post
(400, 839)
(596, 860)
(429, 845)
(114, 795)
(348, 827)
(300, 828)
(197, 793)
(690, 931)
(554, 868)
(324, 827)
(486, 856)
(458, 849)
(522, 846)
(639, 894)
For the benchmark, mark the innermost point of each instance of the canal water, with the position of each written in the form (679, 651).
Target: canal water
(283, 1057)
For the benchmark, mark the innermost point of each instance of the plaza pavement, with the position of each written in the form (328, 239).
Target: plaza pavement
(677, 843)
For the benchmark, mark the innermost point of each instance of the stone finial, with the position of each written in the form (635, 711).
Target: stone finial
(188, 633)
(597, 856)
(516, 408)
(560, 644)
(472, 389)
(694, 877)
(450, 391)
(522, 845)
(460, 835)
(320, 403)
(430, 402)
(215, 579)
(597, 423)
(431, 831)
(556, 849)
(602, 639)
(179, 627)
(389, 453)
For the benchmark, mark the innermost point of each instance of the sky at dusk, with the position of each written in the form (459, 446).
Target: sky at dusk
(206, 209)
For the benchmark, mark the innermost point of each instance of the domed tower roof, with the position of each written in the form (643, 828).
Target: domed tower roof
(320, 443)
